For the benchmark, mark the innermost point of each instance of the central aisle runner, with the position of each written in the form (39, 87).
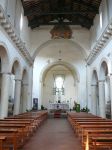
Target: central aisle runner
(55, 134)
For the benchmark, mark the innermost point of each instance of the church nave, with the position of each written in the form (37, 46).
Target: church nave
(54, 134)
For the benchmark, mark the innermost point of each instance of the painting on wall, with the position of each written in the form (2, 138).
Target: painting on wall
(35, 103)
(61, 31)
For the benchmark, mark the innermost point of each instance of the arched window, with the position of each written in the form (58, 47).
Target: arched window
(59, 82)
(58, 85)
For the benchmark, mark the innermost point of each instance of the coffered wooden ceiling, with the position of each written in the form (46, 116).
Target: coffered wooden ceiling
(67, 12)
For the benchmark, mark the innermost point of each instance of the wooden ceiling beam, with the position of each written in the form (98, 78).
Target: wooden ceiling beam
(34, 23)
(36, 12)
(77, 12)
(90, 6)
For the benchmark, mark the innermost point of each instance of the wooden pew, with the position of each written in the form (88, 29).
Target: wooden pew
(28, 125)
(80, 125)
(21, 128)
(16, 129)
(101, 141)
(90, 126)
(88, 133)
(2, 138)
(11, 136)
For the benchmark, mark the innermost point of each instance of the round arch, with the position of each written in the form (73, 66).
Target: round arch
(49, 42)
(103, 68)
(71, 68)
(16, 68)
(4, 58)
(74, 76)
(25, 75)
(16, 73)
(104, 89)
(94, 93)
(94, 79)
(4, 79)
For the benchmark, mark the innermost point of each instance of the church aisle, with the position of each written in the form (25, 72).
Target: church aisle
(55, 134)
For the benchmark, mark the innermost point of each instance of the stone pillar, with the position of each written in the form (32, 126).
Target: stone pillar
(30, 83)
(4, 95)
(87, 87)
(17, 96)
(94, 99)
(24, 97)
(111, 93)
(102, 98)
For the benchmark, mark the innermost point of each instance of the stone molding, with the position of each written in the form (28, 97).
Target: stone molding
(7, 26)
(94, 85)
(104, 38)
(20, 80)
(101, 81)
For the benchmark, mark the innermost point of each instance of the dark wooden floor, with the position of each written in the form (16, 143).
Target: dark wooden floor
(54, 134)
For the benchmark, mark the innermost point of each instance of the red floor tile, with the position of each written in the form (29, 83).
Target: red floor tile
(54, 134)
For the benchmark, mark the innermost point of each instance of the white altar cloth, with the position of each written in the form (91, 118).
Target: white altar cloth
(56, 106)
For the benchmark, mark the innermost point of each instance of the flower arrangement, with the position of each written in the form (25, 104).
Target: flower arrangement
(85, 109)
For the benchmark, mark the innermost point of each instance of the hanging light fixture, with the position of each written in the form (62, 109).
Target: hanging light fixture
(59, 59)
(59, 56)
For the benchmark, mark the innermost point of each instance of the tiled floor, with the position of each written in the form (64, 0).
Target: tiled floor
(54, 134)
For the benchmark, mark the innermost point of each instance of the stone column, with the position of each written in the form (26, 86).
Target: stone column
(4, 95)
(94, 99)
(30, 83)
(17, 96)
(24, 97)
(111, 93)
(102, 98)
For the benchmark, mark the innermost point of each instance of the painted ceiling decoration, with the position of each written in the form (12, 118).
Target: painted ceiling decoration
(61, 31)
(65, 12)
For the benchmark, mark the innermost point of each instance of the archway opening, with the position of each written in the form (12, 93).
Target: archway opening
(4, 68)
(0, 79)
(95, 94)
(13, 93)
(59, 85)
(104, 97)
(24, 92)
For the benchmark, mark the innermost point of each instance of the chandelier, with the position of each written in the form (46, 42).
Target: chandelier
(61, 31)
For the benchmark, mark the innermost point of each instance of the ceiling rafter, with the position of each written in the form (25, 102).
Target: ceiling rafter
(90, 7)
(60, 13)
(83, 21)
(51, 12)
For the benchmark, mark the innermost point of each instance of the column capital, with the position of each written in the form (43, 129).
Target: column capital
(100, 81)
(18, 80)
(24, 84)
(8, 73)
(93, 84)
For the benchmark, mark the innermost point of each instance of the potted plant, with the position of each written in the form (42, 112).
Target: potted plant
(85, 109)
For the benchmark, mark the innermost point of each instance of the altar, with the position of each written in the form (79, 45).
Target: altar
(59, 106)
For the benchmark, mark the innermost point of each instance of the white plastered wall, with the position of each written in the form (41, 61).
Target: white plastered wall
(69, 86)
(3, 3)
(42, 35)
(72, 55)
(105, 55)
(101, 21)
(15, 13)
(14, 55)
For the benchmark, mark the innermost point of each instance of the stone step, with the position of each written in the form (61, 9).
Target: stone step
(61, 115)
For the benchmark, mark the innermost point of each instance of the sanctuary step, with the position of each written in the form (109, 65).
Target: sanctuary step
(57, 115)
